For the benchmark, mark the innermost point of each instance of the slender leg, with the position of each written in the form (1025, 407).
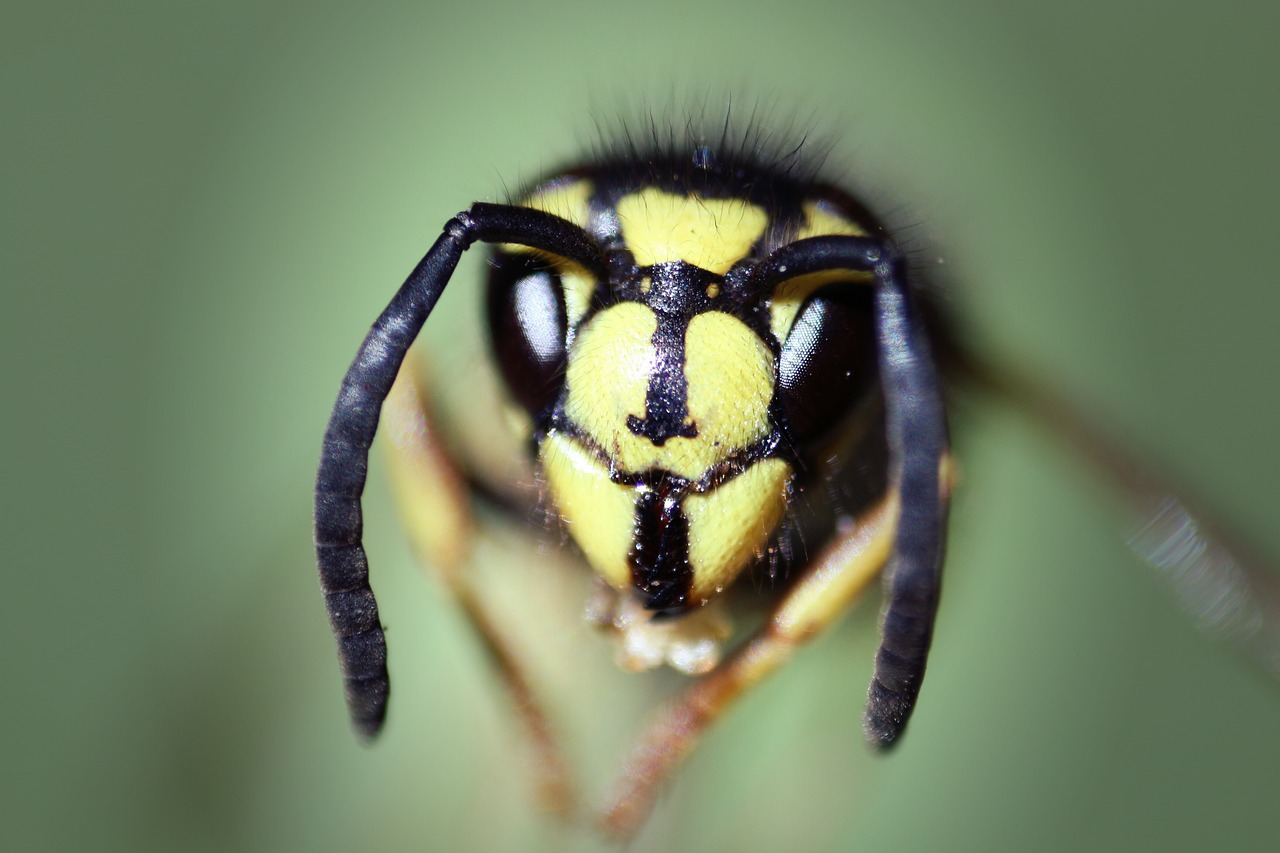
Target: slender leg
(433, 500)
(431, 493)
(828, 587)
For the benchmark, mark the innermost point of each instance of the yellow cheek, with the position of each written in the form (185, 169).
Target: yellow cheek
(599, 513)
(730, 525)
(730, 375)
(608, 374)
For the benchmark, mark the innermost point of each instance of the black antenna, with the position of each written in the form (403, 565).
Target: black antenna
(344, 461)
(915, 422)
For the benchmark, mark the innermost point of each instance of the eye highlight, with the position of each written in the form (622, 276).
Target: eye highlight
(528, 328)
(828, 361)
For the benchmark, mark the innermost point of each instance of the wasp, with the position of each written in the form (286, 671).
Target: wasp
(728, 382)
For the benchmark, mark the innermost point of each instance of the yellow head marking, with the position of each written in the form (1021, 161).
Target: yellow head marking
(660, 227)
(821, 220)
(600, 513)
(608, 374)
(567, 198)
(578, 285)
(730, 525)
(792, 293)
(730, 375)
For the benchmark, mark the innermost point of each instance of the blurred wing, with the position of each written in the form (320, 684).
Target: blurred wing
(1230, 595)
(1230, 592)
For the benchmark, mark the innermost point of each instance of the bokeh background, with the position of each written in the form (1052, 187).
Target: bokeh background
(205, 205)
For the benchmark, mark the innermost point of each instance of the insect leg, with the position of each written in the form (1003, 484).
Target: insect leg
(433, 500)
(827, 588)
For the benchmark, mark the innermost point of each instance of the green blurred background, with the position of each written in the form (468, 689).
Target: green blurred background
(205, 205)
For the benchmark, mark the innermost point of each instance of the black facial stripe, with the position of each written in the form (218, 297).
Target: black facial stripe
(660, 569)
(677, 292)
(667, 400)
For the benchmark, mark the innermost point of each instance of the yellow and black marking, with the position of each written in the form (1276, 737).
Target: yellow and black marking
(719, 360)
(666, 406)
(718, 363)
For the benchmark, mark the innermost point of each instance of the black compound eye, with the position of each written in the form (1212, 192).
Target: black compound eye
(527, 328)
(828, 362)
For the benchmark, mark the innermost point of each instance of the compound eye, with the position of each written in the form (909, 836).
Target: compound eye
(527, 328)
(828, 362)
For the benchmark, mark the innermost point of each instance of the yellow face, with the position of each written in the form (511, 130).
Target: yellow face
(655, 425)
